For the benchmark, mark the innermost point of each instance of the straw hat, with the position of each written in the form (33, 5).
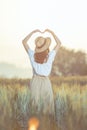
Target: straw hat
(42, 44)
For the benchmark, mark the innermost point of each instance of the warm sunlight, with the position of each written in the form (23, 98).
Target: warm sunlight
(33, 123)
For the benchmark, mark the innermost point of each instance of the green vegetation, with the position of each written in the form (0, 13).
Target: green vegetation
(70, 96)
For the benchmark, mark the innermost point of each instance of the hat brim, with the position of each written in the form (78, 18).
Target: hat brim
(45, 47)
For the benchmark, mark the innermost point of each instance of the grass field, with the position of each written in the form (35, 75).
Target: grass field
(70, 96)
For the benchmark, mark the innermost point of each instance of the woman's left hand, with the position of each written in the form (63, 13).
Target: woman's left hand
(37, 30)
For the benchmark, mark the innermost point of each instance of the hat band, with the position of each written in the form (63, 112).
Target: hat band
(42, 44)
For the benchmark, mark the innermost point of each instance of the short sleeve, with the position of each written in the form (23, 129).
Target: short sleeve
(52, 55)
(30, 52)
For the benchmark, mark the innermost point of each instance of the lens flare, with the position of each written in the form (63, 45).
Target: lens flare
(33, 123)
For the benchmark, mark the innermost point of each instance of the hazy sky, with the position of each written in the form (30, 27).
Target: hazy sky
(67, 18)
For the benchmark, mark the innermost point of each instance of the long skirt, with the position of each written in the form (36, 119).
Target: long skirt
(42, 101)
(42, 95)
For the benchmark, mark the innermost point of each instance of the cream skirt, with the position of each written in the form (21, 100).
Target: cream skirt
(42, 95)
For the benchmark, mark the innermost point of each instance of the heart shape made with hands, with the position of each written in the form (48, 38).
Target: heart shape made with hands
(45, 33)
(42, 32)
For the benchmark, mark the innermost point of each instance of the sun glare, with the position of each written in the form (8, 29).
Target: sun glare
(33, 123)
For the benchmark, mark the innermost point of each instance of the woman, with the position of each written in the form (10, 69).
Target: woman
(41, 60)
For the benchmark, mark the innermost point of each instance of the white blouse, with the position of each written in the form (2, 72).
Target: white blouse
(42, 69)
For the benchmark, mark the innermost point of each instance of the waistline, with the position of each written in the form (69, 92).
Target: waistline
(40, 75)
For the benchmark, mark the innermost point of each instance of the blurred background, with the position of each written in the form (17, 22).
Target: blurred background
(67, 19)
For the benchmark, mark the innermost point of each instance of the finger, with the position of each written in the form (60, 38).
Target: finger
(42, 32)
(47, 30)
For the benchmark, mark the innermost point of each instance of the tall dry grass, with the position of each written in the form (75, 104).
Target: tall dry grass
(70, 96)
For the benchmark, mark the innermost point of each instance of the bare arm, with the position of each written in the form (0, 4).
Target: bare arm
(56, 39)
(25, 40)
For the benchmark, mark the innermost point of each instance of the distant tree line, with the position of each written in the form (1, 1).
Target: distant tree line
(70, 62)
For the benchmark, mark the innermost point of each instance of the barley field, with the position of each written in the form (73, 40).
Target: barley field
(70, 96)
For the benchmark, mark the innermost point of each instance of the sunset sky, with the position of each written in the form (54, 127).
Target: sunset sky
(67, 18)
